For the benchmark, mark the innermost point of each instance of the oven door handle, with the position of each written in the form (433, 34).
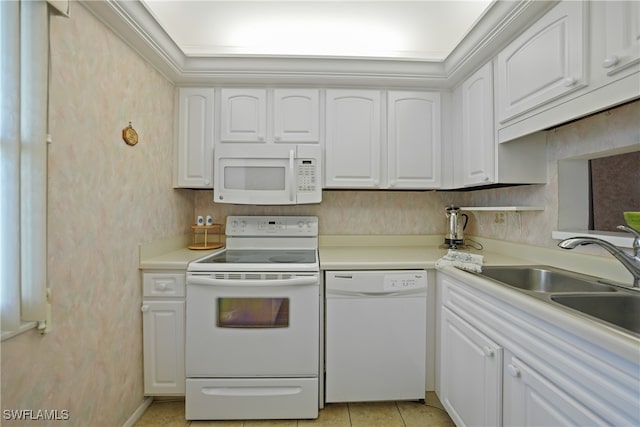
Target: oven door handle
(296, 281)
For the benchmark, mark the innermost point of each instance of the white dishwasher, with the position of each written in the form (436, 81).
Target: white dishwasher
(375, 335)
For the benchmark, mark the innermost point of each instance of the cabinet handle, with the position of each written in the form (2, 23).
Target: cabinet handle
(260, 138)
(610, 61)
(569, 81)
(392, 183)
(278, 138)
(514, 371)
(489, 352)
(162, 286)
(144, 308)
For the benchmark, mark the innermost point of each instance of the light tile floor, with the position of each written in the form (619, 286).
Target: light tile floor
(371, 414)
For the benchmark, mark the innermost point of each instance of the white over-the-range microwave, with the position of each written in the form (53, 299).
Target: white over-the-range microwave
(286, 174)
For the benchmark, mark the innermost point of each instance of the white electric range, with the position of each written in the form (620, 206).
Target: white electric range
(253, 322)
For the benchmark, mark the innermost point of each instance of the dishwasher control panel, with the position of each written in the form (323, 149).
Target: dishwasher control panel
(404, 281)
(357, 284)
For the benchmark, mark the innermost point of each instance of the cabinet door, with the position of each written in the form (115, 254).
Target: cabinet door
(478, 152)
(413, 150)
(163, 345)
(544, 63)
(470, 373)
(243, 115)
(296, 115)
(353, 139)
(616, 38)
(532, 400)
(194, 153)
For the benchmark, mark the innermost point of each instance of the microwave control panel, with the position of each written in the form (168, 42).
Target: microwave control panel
(307, 175)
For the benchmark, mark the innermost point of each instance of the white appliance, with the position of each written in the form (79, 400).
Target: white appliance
(253, 323)
(267, 175)
(375, 335)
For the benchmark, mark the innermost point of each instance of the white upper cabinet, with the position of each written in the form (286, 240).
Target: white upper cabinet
(270, 115)
(195, 138)
(413, 139)
(478, 148)
(360, 154)
(615, 38)
(243, 115)
(296, 115)
(544, 63)
(352, 146)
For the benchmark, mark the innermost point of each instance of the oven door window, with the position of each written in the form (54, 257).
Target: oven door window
(253, 312)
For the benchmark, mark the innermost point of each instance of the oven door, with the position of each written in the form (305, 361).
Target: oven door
(252, 325)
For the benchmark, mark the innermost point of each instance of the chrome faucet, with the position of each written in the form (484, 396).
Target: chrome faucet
(631, 262)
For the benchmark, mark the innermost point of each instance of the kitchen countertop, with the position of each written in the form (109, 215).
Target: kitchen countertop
(399, 252)
(178, 259)
(393, 252)
(170, 254)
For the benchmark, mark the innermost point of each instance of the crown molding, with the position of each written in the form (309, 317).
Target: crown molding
(132, 22)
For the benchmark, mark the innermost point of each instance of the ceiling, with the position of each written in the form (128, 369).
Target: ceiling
(359, 43)
(418, 30)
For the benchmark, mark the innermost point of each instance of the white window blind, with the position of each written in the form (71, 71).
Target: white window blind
(24, 35)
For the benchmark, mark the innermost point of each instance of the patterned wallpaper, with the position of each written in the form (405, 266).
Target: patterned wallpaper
(105, 198)
(353, 212)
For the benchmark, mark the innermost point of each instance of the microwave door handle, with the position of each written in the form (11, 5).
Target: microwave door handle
(292, 176)
(209, 281)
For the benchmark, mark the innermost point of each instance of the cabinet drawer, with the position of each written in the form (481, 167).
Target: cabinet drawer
(163, 284)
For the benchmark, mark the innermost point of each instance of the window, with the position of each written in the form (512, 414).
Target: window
(24, 37)
(592, 197)
(614, 189)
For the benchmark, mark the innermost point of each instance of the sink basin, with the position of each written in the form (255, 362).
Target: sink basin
(619, 309)
(544, 279)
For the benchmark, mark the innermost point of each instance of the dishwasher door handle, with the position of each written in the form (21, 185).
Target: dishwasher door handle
(355, 294)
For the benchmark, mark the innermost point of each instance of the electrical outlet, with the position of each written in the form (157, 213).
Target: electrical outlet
(499, 218)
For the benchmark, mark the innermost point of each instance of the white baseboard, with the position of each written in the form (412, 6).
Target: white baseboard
(138, 412)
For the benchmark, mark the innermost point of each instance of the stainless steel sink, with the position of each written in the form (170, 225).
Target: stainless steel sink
(610, 304)
(620, 309)
(545, 279)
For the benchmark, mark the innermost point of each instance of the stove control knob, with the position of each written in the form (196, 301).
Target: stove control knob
(300, 224)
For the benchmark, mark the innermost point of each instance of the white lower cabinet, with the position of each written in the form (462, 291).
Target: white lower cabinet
(471, 371)
(502, 366)
(163, 323)
(532, 400)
